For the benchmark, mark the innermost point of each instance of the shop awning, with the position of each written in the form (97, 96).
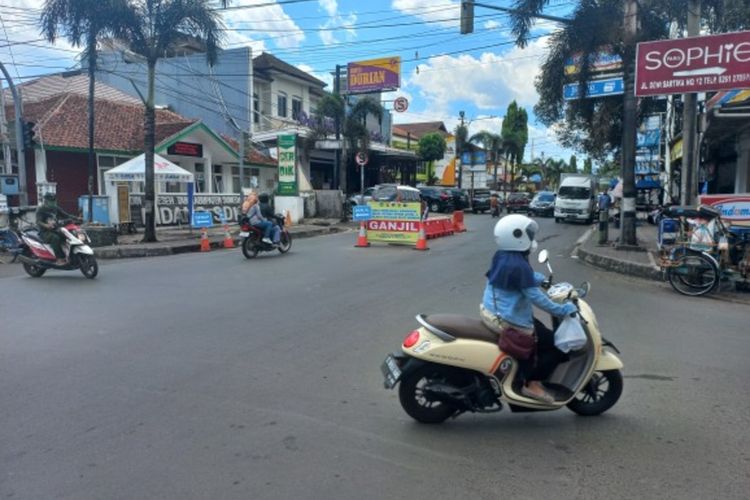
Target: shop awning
(135, 170)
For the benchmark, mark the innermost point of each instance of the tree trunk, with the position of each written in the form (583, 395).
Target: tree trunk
(629, 124)
(92, 158)
(149, 139)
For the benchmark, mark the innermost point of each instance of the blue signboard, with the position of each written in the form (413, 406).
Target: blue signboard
(362, 212)
(203, 219)
(597, 88)
(465, 158)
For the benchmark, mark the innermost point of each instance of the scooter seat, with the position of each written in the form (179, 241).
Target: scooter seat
(461, 327)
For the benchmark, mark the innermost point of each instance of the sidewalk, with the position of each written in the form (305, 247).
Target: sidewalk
(642, 263)
(181, 240)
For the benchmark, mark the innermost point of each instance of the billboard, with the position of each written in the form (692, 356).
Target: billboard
(734, 208)
(596, 88)
(394, 222)
(375, 75)
(287, 165)
(696, 64)
(602, 61)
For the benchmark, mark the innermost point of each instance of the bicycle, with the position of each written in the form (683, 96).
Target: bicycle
(696, 268)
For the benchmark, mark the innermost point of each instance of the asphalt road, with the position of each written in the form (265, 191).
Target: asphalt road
(207, 376)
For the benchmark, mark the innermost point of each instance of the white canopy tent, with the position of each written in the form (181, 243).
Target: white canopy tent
(134, 170)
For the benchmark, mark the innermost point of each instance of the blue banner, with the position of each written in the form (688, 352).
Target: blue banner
(203, 219)
(361, 212)
(596, 88)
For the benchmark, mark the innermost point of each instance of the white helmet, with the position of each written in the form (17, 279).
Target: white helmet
(516, 233)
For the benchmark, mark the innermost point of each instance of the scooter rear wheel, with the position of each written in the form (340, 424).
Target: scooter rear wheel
(599, 395)
(34, 271)
(412, 398)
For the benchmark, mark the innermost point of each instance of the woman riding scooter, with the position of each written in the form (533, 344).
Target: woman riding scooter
(512, 287)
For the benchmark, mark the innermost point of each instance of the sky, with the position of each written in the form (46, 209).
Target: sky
(442, 73)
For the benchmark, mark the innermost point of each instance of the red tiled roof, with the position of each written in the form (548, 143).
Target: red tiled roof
(253, 156)
(62, 121)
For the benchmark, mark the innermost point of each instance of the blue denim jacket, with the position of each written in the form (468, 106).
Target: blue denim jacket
(514, 306)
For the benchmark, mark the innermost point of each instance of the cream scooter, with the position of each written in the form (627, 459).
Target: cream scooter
(452, 364)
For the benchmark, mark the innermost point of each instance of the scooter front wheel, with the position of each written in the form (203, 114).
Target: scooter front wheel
(599, 395)
(414, 401)
(88, 265)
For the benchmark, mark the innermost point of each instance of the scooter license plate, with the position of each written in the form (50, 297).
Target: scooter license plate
(244, 234)
(391, 371)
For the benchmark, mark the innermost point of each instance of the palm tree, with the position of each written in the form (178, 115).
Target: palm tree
(154, 27)
(83, 23)
(492, 143)
(461, 133)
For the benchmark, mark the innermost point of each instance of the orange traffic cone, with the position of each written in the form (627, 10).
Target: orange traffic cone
(422, 241)
(287, 218)
(205, 244)
(458, 221)
(362, 238)
(228, 240)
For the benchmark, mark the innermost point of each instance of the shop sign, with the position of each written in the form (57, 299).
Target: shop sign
(695, 64)
(394, 222)
(172, 209)
(375, 75)
(186, 149)
(287, 165)
(596, 88)
(735, 209)
(602, 61)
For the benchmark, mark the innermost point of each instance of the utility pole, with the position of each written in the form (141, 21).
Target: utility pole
(627, 209)
(7, 164)
(337, 179)
(459, 150)
(20, 149)
(689, 115)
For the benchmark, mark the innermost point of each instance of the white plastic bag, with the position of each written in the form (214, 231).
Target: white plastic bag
(570, 336)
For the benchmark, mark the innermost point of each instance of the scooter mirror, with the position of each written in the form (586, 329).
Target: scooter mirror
(543, 256)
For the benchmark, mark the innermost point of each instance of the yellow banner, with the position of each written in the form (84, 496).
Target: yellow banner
(394, 222)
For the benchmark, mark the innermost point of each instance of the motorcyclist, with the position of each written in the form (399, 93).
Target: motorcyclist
(267, 211)
(512, 288)
(47, 216)
(251, 208)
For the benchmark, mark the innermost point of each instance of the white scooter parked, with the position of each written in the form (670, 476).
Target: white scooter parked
(452, 364)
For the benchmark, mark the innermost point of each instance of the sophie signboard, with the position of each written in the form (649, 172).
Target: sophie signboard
(287, 165)
(374, 75)
(696, 64)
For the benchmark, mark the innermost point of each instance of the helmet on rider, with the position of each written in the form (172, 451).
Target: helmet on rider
(516, 233)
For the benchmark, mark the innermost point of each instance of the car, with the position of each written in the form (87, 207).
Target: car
(543, 204)
(357, 199)
(396, 192)
(518, 202)
(480, 201)
(460, 198)
(437, 199)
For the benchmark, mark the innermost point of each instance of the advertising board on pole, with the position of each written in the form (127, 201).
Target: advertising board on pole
(734, 208)
(602, 61)
(596, 88)
(375, 75)
(695, 64)
(393, 222)
(287, 165)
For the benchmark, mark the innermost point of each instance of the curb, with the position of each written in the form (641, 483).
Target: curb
(137, 251)
(611, 264)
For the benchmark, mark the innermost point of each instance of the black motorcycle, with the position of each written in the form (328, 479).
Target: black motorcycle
(252, 238)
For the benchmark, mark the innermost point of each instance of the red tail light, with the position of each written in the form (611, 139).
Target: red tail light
(411, 339)
(246, 227)
(443, 196)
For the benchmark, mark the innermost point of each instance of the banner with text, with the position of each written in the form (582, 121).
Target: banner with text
(375, 75)
(287, 165)
(393, 222)
(173, 209)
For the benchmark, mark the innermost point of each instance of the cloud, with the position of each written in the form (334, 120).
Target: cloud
(330, 6)
(342, 22)
(280, 28)
(443, 12)
(326, 77)
(489, 81)
(491, 25)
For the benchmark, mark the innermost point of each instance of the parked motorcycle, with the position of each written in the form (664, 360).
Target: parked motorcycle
(452, 364)
(37, 256)
(252, 238)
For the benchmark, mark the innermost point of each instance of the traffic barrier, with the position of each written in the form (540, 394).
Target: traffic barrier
(362, 238)
(205, 244)
(228, 240)
(458, 221)
(447, 227)
(422, 240)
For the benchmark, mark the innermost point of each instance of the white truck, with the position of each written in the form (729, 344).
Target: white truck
(576, 198)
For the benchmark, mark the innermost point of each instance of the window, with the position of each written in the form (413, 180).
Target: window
(218, 171)
(256, 108)
(236, 180)
(296, 107)
(200, 178)
(281, 105)
(104, 163)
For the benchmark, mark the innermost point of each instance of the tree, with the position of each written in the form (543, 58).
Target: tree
(431, 147)
(84, 23)
(573, 164)
(493, 144)
(154, 27)
(515, 134)
(587, 166)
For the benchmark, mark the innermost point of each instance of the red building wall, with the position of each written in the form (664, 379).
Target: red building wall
(70, 172)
